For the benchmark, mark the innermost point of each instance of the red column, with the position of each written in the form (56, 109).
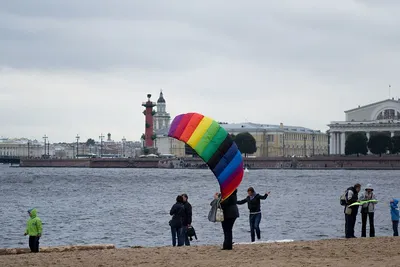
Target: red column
(148, 112)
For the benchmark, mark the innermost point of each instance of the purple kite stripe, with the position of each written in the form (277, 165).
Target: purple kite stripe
(175, 124)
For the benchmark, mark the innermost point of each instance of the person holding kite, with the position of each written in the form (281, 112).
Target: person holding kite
(231, 213)
(254, 206)
(351, 196)
(215, 146)
(367, 211)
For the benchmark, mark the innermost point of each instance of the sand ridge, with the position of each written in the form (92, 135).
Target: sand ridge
(381, 251)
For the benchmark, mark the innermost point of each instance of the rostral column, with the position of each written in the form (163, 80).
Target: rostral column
(149, 112)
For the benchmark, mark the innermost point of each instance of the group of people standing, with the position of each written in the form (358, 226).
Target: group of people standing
(231, 213)
(367, 211)
(181, 221)
(181, 213)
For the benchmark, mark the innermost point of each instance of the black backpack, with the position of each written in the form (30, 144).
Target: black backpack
(343, 200)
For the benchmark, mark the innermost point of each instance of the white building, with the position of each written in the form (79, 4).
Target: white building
(162, 118)
(383, 116)
(21, 147)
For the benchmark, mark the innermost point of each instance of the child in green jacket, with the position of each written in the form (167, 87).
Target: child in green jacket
(34, 230)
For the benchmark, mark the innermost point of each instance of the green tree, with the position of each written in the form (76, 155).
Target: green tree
(379, 143)
(90, 142)
(356, 143)
(395, 144)
(246, 143)
(190, 151)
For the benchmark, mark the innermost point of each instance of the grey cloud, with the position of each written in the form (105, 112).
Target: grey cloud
(319, 37)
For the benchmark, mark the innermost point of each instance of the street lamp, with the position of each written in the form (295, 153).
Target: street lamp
(29, 148)
(77, 145)
(45, 142)
(123, 146)
(101, 145)
(313, 145)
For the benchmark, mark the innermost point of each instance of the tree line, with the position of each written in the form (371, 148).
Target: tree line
(378, 144)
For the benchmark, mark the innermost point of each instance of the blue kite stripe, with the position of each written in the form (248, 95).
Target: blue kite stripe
(232, 166)
(225, 160)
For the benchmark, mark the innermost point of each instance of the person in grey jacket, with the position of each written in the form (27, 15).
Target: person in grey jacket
(367, 211)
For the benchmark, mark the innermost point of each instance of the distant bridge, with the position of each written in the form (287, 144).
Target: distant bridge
(10, 159)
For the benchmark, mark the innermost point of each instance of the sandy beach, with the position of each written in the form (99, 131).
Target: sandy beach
(384, 251)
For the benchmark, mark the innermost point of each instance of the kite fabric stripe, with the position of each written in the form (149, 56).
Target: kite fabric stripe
(214, 145)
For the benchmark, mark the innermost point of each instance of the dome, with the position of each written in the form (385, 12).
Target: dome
(161, 98)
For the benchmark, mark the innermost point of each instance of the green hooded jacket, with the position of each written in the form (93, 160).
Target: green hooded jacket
(34, 224)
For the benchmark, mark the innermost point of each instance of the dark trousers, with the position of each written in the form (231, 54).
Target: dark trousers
(227, 226)
(364, 217)
(350, 224)
(255, 220)
(187, 241)
(177, 233)
(395, 228)
(34, 243)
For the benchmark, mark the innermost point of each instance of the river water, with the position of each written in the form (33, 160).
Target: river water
(130, 207)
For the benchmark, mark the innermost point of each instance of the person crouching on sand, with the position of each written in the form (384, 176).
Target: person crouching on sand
(33, 230)
(394, 211)
(177, 212)
(254, 206)
(231, 213)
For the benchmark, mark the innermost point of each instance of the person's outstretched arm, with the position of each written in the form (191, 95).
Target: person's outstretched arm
(240, 202)
(264, 196)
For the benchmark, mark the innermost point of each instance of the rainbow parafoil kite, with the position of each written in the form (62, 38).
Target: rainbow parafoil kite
(214, 145)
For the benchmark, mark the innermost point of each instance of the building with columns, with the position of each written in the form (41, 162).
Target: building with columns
(162, 118)
(379, 117)
(271, 140)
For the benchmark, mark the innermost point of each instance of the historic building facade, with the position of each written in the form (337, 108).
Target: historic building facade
(162, 118)
(282, 140)
(383, 116)
(271, 140)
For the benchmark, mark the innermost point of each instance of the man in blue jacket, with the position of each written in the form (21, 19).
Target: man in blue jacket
(394, 211)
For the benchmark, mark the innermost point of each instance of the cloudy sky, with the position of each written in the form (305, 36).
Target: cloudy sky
(69, 67)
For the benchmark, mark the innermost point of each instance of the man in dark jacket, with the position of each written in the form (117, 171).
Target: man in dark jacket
(231, 212)
(254, 205)
(351, 212)
(187, 219)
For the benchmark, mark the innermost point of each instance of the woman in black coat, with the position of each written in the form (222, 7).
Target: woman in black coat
(231, 212)
(177, 212)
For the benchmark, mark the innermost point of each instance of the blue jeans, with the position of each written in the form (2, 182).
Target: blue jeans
(177, 233)
(395, 228)
(255, 220)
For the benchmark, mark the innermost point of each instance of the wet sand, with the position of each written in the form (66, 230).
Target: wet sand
(384, 251)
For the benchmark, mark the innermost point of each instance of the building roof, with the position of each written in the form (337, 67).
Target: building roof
(161, 98)
(372, 104)
(250, 126)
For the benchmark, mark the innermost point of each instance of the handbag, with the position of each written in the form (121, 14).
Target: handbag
(219, 216)
(216, 213)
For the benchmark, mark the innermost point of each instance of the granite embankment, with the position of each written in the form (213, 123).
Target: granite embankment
(381, 251)
(317, 162)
